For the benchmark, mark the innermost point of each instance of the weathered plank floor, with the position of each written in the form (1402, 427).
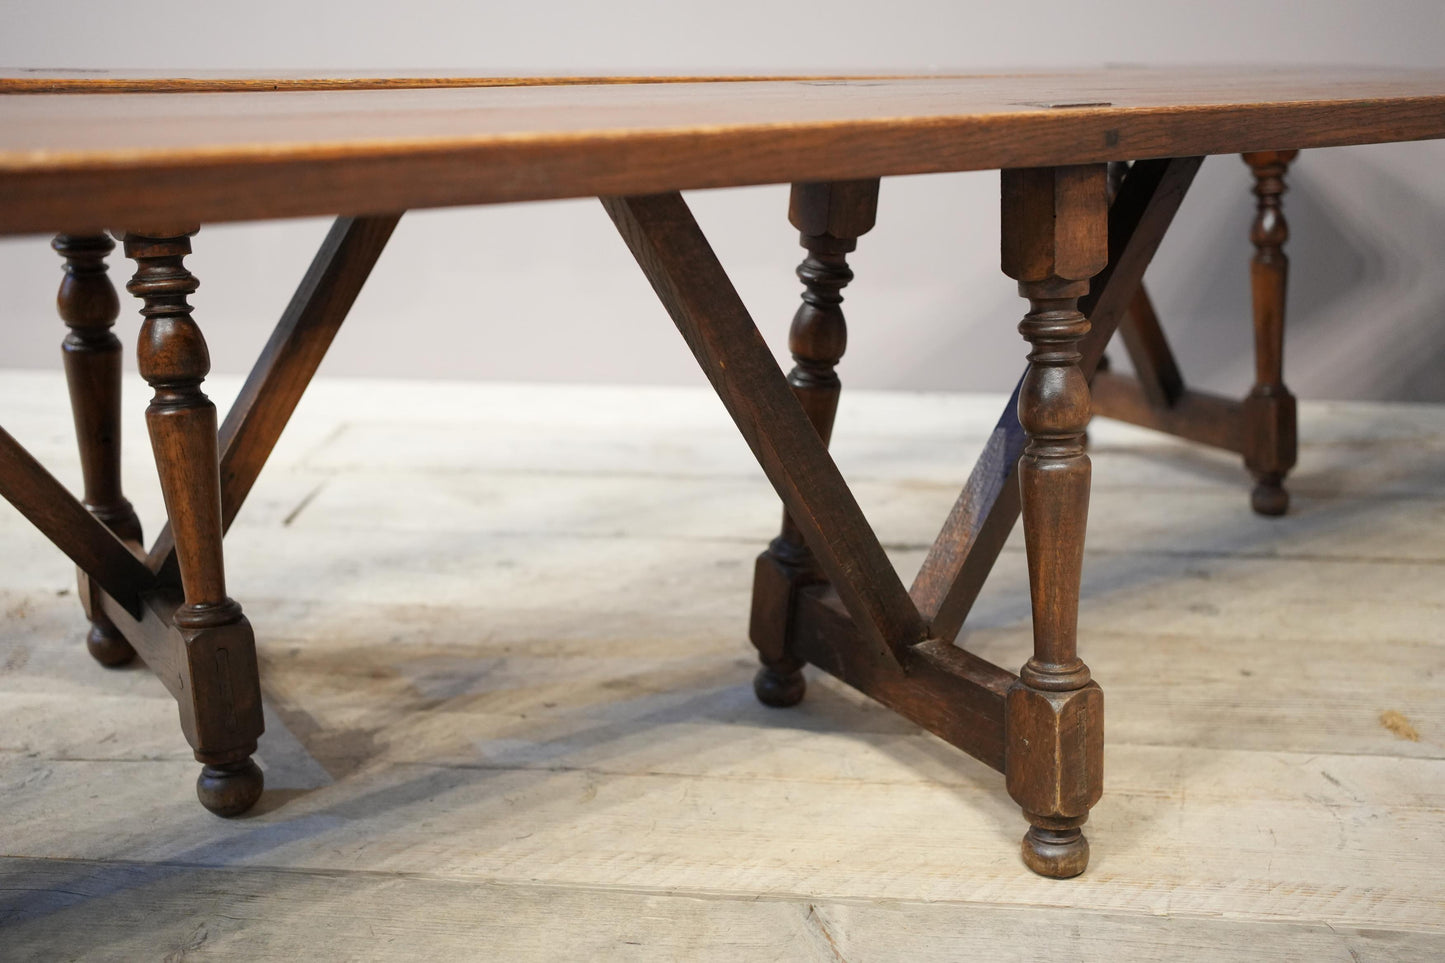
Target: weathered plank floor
(504, 657)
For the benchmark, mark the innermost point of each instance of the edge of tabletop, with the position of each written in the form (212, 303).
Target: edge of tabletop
(47, 190)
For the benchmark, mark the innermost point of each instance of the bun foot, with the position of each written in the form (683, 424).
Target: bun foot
(1056, 853)
(230, 789)
(107, 646)
(779, 689)
(1269, 497)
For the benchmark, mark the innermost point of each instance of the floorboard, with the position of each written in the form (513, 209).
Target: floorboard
(502, 633)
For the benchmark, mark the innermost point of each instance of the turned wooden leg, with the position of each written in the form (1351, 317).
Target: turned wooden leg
(1269, 411)
(223, 719)
(830, 217)
(1055, 238)
(88, 305)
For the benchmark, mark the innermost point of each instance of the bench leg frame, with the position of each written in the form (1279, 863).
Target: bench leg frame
(839, 604)
(1261, 428)
(825, 592)
(170, 606)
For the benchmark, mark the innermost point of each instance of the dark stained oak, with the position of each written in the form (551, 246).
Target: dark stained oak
(685, 274)
(88, 305)
(947, 690)
(829, 218)
(287, 363)
(1269, 410)
(974, 533)
(1262, 428)
(72, 160)
(1196, 415)
(224, 689)
(1153, 360)
(91, 545)
(215, 147)
(1055, 238)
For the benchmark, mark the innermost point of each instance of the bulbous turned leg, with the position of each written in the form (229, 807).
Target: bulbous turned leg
(221, 704)
(830, 217)
(88, 305)
(1055, 239)
(1269, 410)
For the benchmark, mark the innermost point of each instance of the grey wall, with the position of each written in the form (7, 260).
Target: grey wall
(547, 292)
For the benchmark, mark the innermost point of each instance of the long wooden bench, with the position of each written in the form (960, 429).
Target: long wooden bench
(1094, 166)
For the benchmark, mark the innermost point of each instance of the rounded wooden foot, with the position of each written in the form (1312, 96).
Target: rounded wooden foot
(1057, 853)
(1269, 497)
(230, 789)
(107, 646)
(779, 689)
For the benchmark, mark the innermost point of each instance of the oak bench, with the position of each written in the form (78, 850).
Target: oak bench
(1094, 165)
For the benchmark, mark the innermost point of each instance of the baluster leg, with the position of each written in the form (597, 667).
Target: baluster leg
(830, 218)
(1055, 238)
(223, 717)
(1269, 411)
(88, 305)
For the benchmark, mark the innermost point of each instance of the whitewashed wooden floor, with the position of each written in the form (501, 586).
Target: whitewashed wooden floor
(502, 633)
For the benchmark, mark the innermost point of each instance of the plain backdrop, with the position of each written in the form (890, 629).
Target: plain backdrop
(547, 292)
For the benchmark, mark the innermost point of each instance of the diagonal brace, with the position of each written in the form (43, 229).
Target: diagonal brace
(976, 529)
(673, 253)
(1148, 349)
(65, 521)
(287, 364)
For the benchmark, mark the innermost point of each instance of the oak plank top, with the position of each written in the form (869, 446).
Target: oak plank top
(76, 160)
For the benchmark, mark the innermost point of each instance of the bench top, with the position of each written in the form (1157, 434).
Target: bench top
(83, 160)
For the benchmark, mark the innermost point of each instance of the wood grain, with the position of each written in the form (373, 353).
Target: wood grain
(475, 764)
(829, 219)
(287, 363)
(976, 528)
(1199, 416)
(270, 914)
(86, 540)
(685, 273)
(68, 160)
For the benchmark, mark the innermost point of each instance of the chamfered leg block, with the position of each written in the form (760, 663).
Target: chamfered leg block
(1055, 238)
(88, 305)
(1270, 439)
(221, 714)
(830, 217)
